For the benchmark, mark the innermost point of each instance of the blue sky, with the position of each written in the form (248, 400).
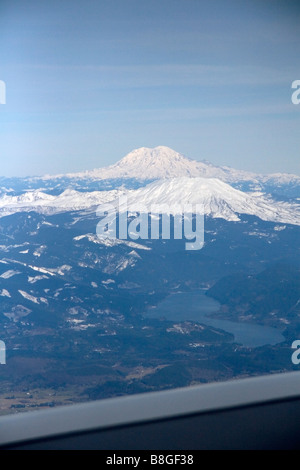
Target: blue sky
(89, 81)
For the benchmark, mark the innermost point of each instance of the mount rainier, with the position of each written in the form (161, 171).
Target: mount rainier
(163, 162)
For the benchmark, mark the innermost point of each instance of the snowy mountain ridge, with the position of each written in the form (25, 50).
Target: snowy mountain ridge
(213, 197)
(69, 200)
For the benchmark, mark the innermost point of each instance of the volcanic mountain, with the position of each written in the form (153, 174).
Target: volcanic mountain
(163, 162)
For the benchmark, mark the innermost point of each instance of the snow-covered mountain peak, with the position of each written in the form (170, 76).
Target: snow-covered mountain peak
(30, 197)
(210, 196)
(150, 163)
(162, 156)
(163, 163)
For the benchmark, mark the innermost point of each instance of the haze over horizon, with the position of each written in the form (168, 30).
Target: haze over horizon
(88, 82)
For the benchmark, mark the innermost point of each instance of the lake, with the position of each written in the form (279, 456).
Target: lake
(196, 306)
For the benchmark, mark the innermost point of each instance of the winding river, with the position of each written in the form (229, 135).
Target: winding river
(196, 306)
